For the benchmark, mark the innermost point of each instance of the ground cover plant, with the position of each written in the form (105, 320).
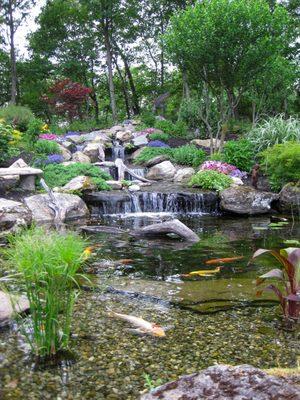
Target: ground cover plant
(17, 116)
(210, 180)
(47, 270)
(59, 175)
(46, 147)
(223, 168)
(239, 153)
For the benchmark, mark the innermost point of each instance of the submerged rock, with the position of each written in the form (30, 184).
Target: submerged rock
(13, 214)
(7, 309)
(246, 201)
(289, 198)
(71, 206)
(225, 382)
(162, 171)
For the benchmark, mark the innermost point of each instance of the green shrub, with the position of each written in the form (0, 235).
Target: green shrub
(60, 175)
(188, 155)
(164, 137)
(46, 147)
(88, 125)
(210, 180)
(239, 153)
(217, 157)
(179, 129)
(147, 118)
(47, 263)
(150, 152)
(6, 136)
(189, 112)
(17, 116)
(33, 131)
(282, 164)
(273, 131)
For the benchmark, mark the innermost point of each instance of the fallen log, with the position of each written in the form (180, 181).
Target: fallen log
(173, 226)
(122, 169)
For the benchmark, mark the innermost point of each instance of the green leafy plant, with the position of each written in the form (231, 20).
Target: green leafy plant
(210, 180)
(273, 131)
(35, 128)
(167, 126)
(47, 264)
(164, 137)
(188, 155)
(46, 147)
(150, 383)
(6, 136)
(60, 175)
(150, 152)
(281, 163)
(239, 153)
(289, 276)
(17, 116)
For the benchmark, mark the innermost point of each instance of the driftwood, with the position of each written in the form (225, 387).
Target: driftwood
(174, 226)
(122, 169)
(53, 204)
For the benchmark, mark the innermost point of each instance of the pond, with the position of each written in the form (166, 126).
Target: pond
(210, 319)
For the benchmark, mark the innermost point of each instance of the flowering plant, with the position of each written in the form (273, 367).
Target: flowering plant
(157, 143)
(51, 159)
(223, 168)
(48, 136)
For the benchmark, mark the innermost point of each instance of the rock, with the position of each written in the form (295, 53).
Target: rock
(246, 200)
(140, 140)
(72, 207)
(8, 182)
(225, 382)
(97, 137)
(205, 142)
(115, 185)
(107, 164)
(69, 146)
(162, 171)
(289, 198)
(102, 228)
(80, 157)
(174, 226)
(114, 129)
(79, 183)
(20, 163)
(94, 151)
(124, 136)
(7, 309)
(134, 188)
(13, 214)
(136, 153)
(156, 160)
(184, 174)
(66, 163)
(236, 181)
(67, 155)
(77, 139)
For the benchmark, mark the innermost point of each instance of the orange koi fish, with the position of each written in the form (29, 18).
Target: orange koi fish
(223, 260)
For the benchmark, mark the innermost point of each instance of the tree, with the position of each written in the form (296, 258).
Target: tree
(13, 13)
(228, 44)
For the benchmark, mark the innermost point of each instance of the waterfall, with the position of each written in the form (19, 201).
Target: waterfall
(138, 171)
(118, 151)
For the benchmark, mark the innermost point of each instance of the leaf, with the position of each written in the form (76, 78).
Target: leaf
(293, 297)
(273, 274)
(292, 241)
(273, 288)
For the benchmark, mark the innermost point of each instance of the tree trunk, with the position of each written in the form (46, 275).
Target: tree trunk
(186, 89)
(124, 90)
(162, 54)
(12, 54)
(135, 100)
(110, 70)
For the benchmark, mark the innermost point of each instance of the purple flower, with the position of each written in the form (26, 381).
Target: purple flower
(223, 168)
(72, 133)
(54, 159)
(48, 136)
(157, 143)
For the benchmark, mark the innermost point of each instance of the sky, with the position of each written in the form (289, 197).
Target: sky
(27, 27)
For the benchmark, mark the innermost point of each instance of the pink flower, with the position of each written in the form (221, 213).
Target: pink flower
(48, 136)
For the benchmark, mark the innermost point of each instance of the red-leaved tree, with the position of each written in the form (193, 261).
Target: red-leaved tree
(68, 98)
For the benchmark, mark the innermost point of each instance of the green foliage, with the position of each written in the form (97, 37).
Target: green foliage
(148, 119)
(275, 130)
(33, 131)
(217, 157)
(47, 264)
(6, 136)
(178, 129)
(184, 155)
(60, 175)
(17, 116)
(88, 125)
(189, 112)
(164, 137)
(188, 155)
(239, 153)
(210, 180)
(46, 147)
(282, 163)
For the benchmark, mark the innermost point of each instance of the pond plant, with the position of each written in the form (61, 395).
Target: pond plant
(47, 263)
(289, 275)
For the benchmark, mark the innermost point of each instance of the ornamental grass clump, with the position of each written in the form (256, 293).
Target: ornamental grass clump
(210, 180)
(47, 263)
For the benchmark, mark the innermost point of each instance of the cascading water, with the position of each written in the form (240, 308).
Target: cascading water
(138, 171)
(118, 151)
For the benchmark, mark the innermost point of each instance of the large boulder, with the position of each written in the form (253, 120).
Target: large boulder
(156, 160)
(246, 200)
(94, 151)
(78, 184)
(71, 206)
(225, 382)
(184, 174)
(124, 136)
(140, 140)
(96, 136)
(9, 305)
(67, 155)
(162, 171)
(13, 215)
(114, 129)
(80, 157)
(289, 198)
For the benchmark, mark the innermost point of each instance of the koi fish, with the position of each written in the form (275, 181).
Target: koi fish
(205, 272)
(126, 261)
(142, 325)
(87, 252)
(223, 260)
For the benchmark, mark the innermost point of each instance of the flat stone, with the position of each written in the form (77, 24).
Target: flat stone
(162, 171)
(115, 185)
(20, 163)
(245, 200)
(205, 142)
(7, 308)
(224, 382)
(156, 160)
(79, 183)
(140, 140)
(20, 171)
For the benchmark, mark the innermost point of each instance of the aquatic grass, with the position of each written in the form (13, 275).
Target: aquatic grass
(47, 263)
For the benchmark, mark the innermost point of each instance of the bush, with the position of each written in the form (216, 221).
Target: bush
(148, 118)
(273, 131)
(164, 137)
(47, 263)
(188, 155)
(17, 116)
(46, 147)
(60, 175)
(223, 168)
(239, 153)
(282, 164)
(210, 180)
(151, 152)
(178, 129)
(35, 128)
(6, 136)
